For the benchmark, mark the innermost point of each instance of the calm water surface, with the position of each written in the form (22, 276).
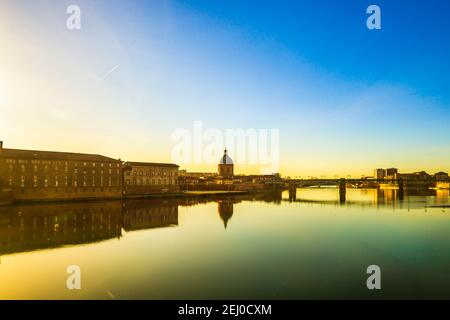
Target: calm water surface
(263, 246)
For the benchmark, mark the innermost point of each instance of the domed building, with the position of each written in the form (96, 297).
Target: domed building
(226, 166)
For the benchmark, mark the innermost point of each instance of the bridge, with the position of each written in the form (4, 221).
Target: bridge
(342, 184)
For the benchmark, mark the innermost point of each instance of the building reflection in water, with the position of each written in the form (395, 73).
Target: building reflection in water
(410, 198)
(225, 209)
(43, 226)
(31, 227)
(442, 196)
(146, 214)
(40, 226)
(51, 225)
(225, 206)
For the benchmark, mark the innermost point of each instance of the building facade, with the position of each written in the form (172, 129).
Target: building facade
(226, 167)
(49, 175)
(391, 173)
(441, 176)
(379, 174)
(141, 178)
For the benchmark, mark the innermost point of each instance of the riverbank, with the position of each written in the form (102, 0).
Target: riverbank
(183, 194)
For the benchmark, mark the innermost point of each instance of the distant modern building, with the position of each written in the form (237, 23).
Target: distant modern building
(416, 179)
(226, 167)
(50, 175)
(441, 176)
(379, 174)
(415, 176)
(391, 173)
(141, 178)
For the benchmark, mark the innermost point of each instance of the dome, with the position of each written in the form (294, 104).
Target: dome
(225, 158)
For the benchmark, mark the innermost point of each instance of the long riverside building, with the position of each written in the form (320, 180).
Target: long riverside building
(48, 175)
(141, 178)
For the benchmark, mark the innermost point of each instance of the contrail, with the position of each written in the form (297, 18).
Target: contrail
(110, 71)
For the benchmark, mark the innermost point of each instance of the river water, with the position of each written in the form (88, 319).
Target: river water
(260, 246)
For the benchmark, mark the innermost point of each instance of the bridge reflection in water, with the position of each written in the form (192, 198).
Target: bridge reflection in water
(394, 198)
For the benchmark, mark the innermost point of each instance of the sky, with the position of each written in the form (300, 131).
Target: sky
(344, 98)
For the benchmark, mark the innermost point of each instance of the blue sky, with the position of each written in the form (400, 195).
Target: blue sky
(346, 99)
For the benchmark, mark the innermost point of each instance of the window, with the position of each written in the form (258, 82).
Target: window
(22, 181)
(35, 181)
(10, 181)
(46, 182)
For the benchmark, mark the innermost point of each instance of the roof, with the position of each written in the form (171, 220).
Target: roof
(53, 155)
(150, 164)
(225, 159)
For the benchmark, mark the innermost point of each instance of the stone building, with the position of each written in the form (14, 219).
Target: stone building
(50, 175)
(141, 178)
(226, 167)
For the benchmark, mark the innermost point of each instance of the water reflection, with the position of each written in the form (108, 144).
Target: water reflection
(31, 227)
(378, 198)
(41, 226)
(265, 245)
